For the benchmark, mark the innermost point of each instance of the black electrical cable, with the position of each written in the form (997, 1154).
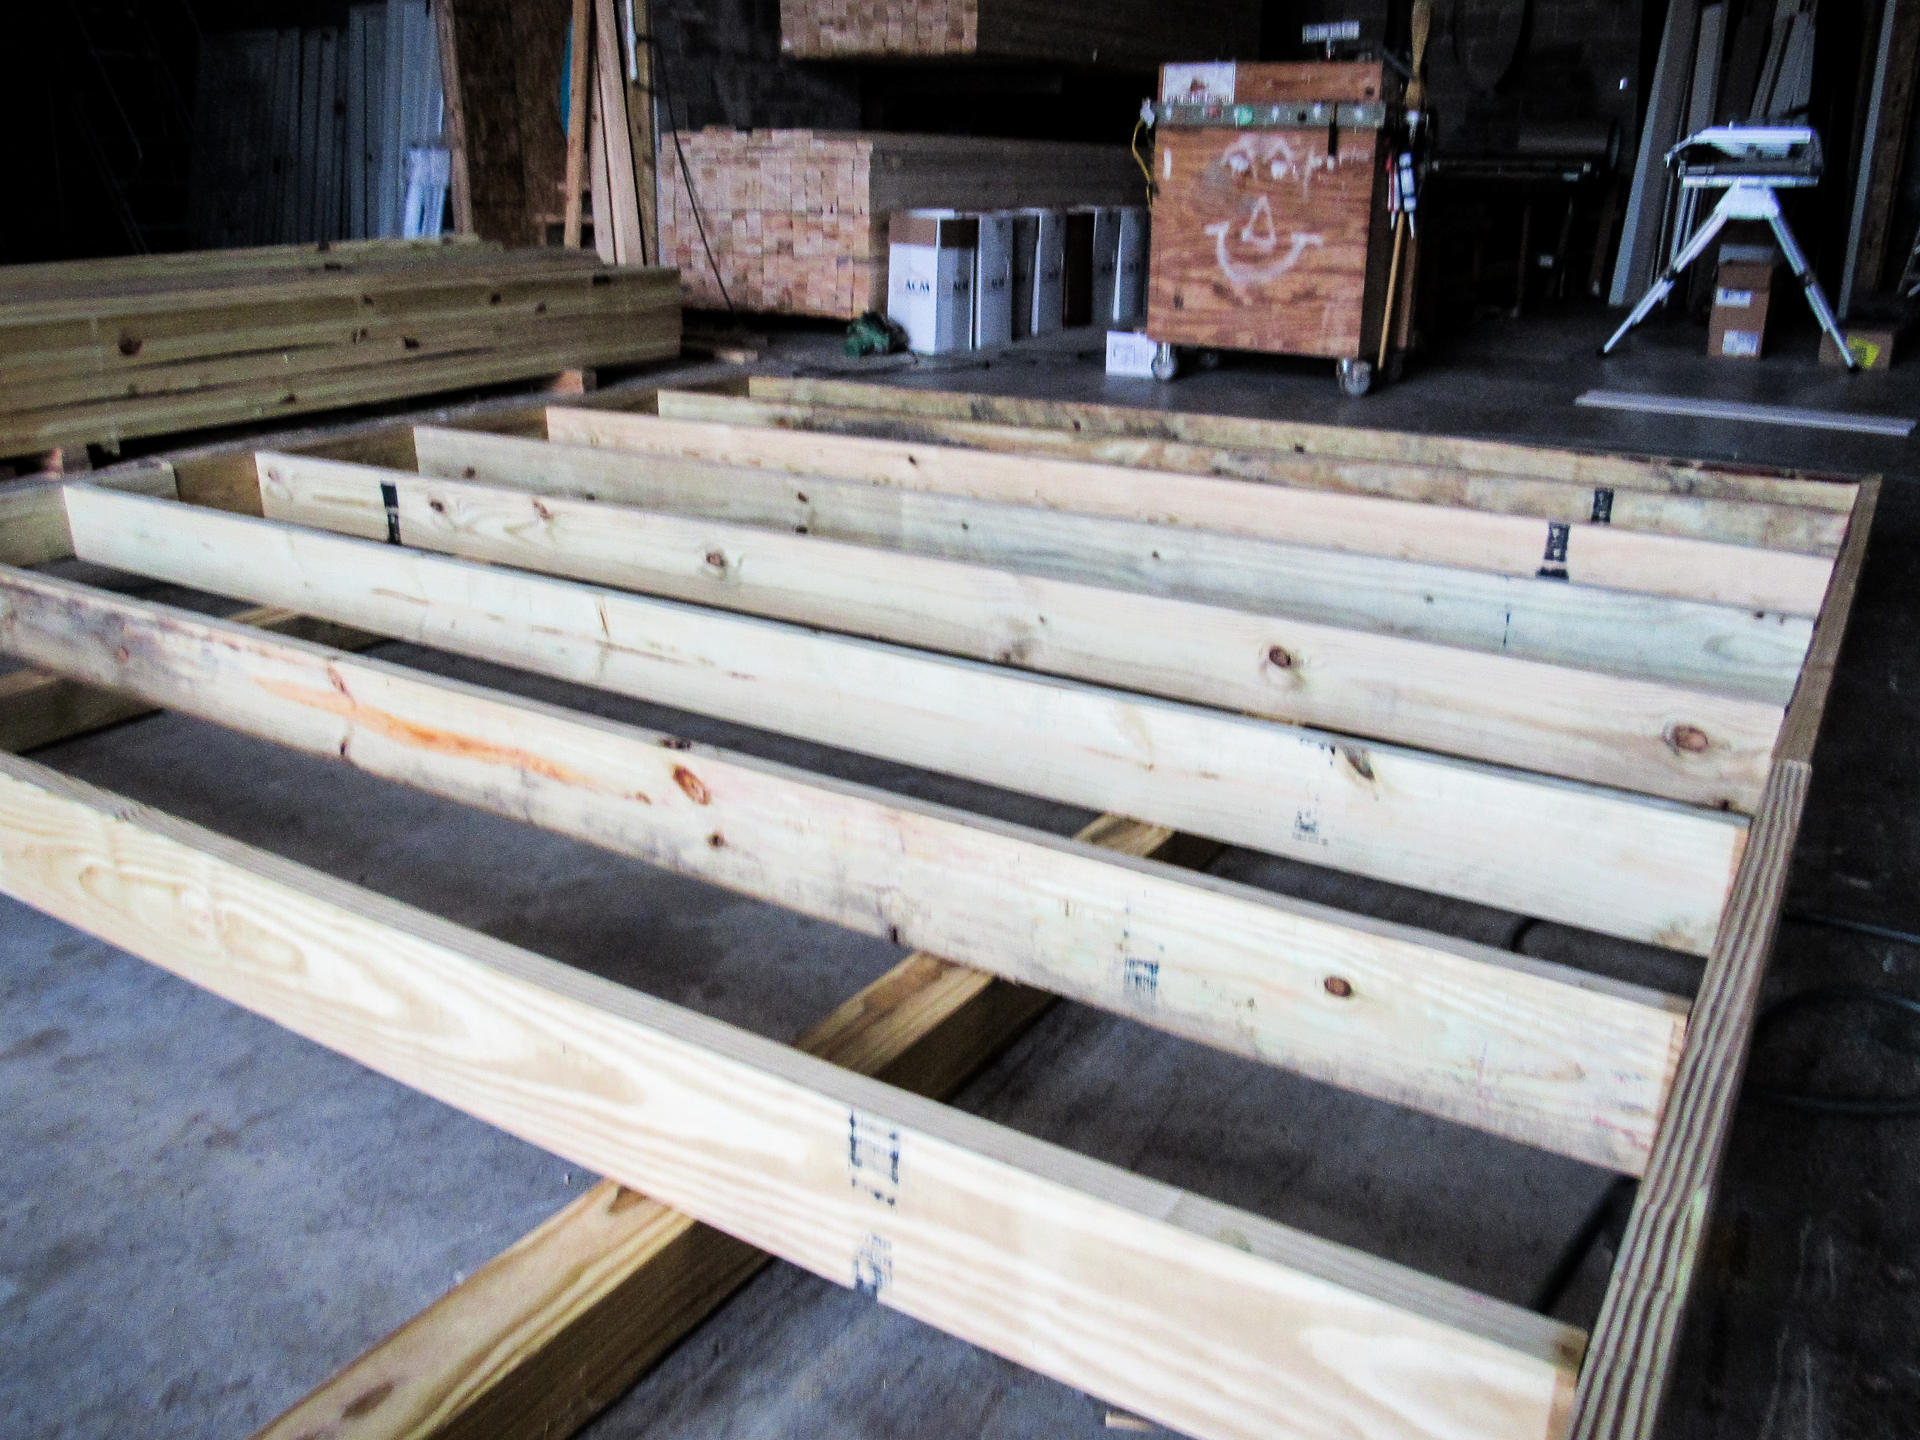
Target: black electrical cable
(1862, 1107)
(686, 175)
(1858, 927)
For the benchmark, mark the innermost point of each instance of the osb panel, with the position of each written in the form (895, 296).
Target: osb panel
(1262, 239)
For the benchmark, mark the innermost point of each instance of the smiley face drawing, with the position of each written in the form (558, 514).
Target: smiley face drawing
(1249, 246)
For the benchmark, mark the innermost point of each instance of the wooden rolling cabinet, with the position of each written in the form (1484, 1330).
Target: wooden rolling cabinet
(1270, 229)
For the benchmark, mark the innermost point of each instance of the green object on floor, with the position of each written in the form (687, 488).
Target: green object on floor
(874, 334)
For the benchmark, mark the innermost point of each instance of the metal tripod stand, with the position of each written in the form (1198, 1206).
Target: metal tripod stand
(1763, 159)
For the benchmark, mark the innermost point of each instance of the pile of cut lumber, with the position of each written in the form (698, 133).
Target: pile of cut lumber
(797, 219)
(1087, 32)
(101, 351)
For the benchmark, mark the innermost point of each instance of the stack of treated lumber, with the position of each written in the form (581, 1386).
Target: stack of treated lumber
(1117, 32)
(797, 219)
(101, 351)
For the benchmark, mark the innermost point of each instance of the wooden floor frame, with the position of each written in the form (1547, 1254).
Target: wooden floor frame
(890, 1191)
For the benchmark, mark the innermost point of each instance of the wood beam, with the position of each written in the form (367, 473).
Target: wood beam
(623, 215)
(588, 325)
(579, 58)
(1809, 705)
(1365, 524)
(1653, 871)
(1542, 1053)
(33, 513)
(1208, 1319)
(269, 318)
(546, 1334)
(1638, 1329)
(109, 272)
(1738, 522)
(1755, 655)
(1593, 469)
(1576, 724)
(645, 135)
(40, 709)
(267, 397)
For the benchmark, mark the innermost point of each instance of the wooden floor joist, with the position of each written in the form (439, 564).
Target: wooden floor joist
(40, 709)
(596, 565)
(1206, 1318)
(1580, 725)
(543, 1336)
(1715, 648)
(33, 513)
(1594, 469)
(1464, 1031)
(1590, 554)
(1737, 522)
(1653, 871)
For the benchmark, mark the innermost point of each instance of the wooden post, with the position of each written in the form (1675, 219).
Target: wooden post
(455, 133)
(646, 140)
(579, 48)
(622, 216)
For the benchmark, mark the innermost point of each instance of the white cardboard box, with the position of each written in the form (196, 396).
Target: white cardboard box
(1106, 262)
(993, 280)
(1130, 277)
(1130, 353)
(1026, 238)
(930, 258)
(1048, 301)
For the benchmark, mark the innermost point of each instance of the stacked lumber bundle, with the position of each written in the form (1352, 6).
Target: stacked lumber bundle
(101, 351)
(797, 219)
(1118, 32)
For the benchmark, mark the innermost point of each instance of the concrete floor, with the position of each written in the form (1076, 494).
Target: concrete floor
(202, 1216)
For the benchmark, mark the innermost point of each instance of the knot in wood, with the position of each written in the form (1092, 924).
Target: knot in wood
(1689, 738)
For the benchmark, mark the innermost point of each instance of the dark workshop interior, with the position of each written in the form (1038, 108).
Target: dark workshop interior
(960, 718)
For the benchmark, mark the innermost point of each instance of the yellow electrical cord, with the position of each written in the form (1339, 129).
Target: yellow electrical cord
(1146, 169)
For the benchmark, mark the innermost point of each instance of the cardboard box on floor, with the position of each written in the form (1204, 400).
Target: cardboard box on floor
(993, 280)
(1039, 271)
(930, 279)
(1742, 295)
(1875, 343)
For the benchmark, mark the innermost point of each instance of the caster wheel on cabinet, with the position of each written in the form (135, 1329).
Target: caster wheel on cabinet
(1206, 359)
(1166, 362)
(1355, 376)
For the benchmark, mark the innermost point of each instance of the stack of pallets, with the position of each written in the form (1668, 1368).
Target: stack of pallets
(797, 219)
(1131, 32)
(101, 351)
